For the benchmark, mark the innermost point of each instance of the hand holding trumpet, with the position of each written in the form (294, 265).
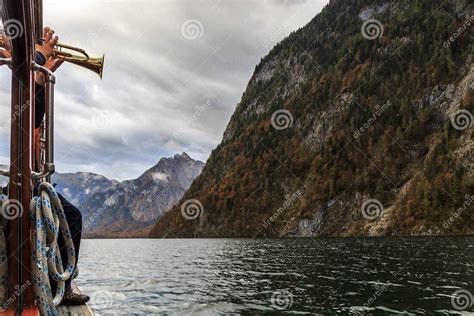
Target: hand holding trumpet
(51, 54)
(47, 50)
(49, 42)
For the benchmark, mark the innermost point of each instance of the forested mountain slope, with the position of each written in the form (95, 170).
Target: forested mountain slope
(359, 123)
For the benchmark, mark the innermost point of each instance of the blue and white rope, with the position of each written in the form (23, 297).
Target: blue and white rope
(3, 257)
(48, 218)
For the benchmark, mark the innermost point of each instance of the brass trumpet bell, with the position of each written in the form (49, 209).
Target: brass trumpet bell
(82, 59)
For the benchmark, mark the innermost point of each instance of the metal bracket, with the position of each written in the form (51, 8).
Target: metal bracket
(49, 170)
(6, 61)
(50, 77)
(5, 173)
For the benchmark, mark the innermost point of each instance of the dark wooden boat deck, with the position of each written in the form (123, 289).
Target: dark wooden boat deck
(83, 310)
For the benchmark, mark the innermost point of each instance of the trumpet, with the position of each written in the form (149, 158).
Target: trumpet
(78, 56)
(95, 64)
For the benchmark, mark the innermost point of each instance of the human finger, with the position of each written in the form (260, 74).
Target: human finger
(45, 31)
(55, 40)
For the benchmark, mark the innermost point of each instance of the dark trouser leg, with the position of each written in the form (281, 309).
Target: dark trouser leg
(74, 219)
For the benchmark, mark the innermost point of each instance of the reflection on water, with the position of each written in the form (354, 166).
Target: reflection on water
(211, 276)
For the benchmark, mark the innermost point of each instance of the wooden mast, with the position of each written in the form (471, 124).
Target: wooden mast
(20, 189)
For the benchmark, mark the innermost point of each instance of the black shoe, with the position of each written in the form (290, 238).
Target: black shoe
(73, 299)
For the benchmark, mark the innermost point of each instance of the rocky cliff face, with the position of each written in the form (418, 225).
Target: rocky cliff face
(359, 123)
(136, 204)
(78, 187)
(125, 209)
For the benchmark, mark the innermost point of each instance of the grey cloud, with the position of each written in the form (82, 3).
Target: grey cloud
(291, 2)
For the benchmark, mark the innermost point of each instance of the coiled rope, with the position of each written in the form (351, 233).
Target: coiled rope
(3, 256)
(47, 216)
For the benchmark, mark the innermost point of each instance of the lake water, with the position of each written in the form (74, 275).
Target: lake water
(330, 275)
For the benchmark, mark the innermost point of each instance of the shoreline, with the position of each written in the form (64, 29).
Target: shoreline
(284, 237)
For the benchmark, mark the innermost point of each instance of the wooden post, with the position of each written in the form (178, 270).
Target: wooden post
(20, 290)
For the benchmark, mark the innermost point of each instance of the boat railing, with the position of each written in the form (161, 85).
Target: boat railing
(5, 173)
(47, 167)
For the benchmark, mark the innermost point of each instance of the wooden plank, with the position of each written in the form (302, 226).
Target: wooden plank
(83, 310)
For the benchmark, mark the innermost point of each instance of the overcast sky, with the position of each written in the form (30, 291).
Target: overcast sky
(175, 70)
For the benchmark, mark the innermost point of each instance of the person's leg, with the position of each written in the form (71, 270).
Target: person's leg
(74, 220)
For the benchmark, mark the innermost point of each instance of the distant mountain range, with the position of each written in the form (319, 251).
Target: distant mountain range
(126, 209)
(111, 208)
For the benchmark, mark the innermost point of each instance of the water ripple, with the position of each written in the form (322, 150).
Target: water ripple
(224, 276)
